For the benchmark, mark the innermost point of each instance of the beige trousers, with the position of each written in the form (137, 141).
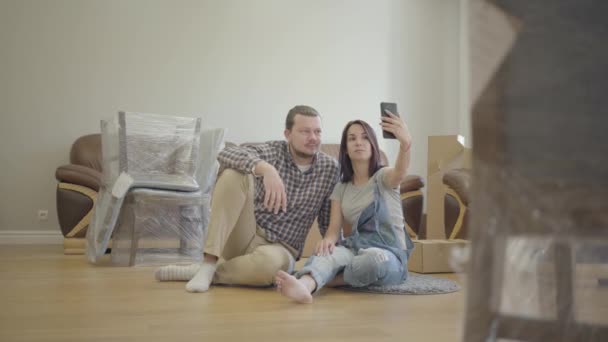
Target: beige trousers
(233, 234)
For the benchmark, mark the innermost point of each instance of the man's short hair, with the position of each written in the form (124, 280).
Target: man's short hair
(302, 110)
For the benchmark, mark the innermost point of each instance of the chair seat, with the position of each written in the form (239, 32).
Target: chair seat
(166, 182)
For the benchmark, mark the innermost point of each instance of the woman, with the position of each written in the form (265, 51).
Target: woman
(367, 206)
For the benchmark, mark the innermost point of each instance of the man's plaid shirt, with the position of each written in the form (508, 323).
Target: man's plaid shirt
(307, 192)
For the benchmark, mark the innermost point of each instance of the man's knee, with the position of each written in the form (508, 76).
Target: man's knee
(257, 268)
(271, 258)
(230, 178)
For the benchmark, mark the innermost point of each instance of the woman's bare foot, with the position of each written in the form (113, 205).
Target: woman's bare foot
(291, 287)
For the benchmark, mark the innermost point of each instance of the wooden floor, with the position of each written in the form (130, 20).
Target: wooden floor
(48, 296)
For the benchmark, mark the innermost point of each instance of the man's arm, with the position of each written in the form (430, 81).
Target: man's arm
(257, 159)
(243, 158)
(275, 196)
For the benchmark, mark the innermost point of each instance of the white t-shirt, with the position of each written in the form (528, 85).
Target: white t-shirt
(354, 199)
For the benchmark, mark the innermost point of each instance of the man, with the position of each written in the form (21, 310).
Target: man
(263, 206)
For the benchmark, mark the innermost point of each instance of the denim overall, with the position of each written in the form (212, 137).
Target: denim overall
(372, 255)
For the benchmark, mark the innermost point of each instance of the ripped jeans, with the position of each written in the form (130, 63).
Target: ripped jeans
(370, 266)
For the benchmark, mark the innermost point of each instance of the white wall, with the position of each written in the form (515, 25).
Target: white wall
(64, 65)
(427, 81)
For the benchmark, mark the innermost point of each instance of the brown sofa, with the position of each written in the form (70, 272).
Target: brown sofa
(80, 180)
(456, 203)
(77, 189)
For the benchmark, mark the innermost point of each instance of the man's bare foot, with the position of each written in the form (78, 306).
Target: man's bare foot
(291, 287)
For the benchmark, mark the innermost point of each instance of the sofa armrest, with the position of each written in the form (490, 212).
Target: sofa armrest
(80, 175)
(460, 181)
(456, 202)
(411, 203)
(411, 183)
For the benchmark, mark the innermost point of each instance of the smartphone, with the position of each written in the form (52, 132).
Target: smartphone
(391, 107)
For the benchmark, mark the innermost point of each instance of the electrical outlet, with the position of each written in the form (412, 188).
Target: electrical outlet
(43, 215)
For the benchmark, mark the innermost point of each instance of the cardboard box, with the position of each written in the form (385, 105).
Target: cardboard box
(433, 256)
(446, 152)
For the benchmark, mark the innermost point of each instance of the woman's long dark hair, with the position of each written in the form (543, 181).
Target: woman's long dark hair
(346, 166)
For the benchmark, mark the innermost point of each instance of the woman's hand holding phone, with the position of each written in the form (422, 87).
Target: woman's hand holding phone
(393, 126)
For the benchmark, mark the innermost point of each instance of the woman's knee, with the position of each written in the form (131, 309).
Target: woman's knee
(371, 266)
(338, 259)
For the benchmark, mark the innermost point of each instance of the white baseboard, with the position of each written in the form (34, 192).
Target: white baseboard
(30, 237)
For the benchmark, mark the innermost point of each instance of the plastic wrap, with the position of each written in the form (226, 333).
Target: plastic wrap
(539, 252)
(153, 152)
(157, 151)
(160, 227)
(211, 143)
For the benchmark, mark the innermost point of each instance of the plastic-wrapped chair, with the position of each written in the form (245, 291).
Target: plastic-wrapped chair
(156, 152)
(158, 227)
